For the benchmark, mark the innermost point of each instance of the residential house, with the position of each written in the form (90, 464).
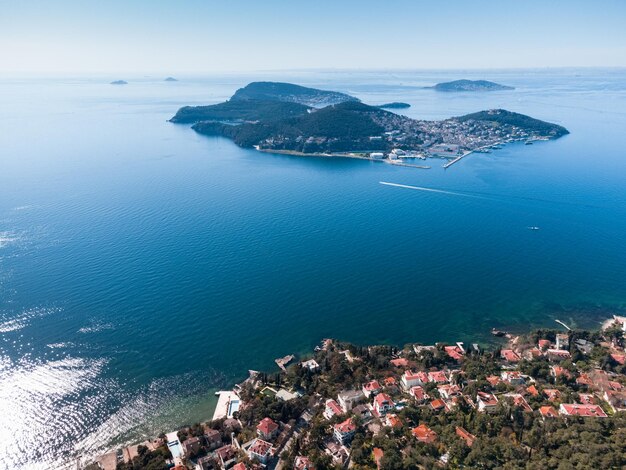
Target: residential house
(557, 355)
(509, 355)
(362, 411)
(400, 362)
(382, 404)
(213, 438)
(487, 402)
(586, 399)
(411, 379)
(191, 446)
(514, 377)
(303, 463)
(348, 398)
(344, 431)
(311, 364)
(448, 391)
(616, 399)
(424, 434)
(465, 435)
(260, 450)
(331, 409)
(371, 388)
(562, 341)
(419, 394)
(455, 352)
(548, 412)
(574, 409)
(552, 394)
(225, 454)
(437, 376)
(519, 401)
(267, 429)
(392, 420)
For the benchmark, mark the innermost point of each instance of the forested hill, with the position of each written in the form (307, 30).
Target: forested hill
(240, 111)
(290, 93)
(504, 117)
(342, 127)
(470, 85)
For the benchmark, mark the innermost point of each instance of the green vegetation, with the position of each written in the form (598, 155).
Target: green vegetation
(394, 105)
(240, 111)
(470, 85)
(288, 92)
(509, 118)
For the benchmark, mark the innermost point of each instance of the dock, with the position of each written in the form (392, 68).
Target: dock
(410, 165)
(283, 361)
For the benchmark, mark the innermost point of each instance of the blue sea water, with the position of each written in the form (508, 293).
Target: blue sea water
(143, 267)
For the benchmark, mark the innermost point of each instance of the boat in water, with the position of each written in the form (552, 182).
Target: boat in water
(533, 228)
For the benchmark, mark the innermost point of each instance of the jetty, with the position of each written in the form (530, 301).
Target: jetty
(561, 323)
(283, 361)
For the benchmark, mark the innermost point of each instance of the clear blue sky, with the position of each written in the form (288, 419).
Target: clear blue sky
(202, 36)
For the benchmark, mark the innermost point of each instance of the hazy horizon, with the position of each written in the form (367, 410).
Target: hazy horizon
(204, 37)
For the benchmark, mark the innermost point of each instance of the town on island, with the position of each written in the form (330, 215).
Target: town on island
(551, 398)
(291, 119)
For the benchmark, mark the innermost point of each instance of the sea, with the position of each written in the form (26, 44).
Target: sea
(143, 267)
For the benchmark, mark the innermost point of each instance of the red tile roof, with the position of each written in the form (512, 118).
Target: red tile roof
(346, 426)
(418, 393)
(438, 376)
(548, 412)
(466, 436)
(582, 410)
(424, 434)
(552, 393)
(260, 447)
(267, 426)
(382, 399)
(372, 386)
(509, 355)
(400, 362)
(532, 390)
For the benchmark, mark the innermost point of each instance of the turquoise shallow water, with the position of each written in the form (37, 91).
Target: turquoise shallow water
(143, 266)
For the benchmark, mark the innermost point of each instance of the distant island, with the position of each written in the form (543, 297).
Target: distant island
(279, 117)
(470, 85)
(394, 105)
(170, 79)
(119, 82)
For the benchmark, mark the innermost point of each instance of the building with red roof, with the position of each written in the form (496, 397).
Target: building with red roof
(382, 404)
(411, 379)
(260, 450)
(438, 376)
(519, 401)
(424, 434)
(303, 463)
(267, 429)
(400, 362)
(487, 402)
(331, 409)
(438, 405)
(587, 411)
(465, 435)
(371, 388)
(419, 394)
(344, 431)
(552, 394)
(455, 352)
(548, 412)
(509, 355)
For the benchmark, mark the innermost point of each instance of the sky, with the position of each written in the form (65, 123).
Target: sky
(205, 36)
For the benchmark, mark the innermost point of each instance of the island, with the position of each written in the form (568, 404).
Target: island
(170, 79)
(394, 105)
(281, 119)
(470, 85)
(119, 82)
(549, 398)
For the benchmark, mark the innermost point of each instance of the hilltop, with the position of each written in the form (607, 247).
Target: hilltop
(278, 91)
(471, 85)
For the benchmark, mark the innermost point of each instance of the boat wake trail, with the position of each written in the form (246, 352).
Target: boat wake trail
(431, 190)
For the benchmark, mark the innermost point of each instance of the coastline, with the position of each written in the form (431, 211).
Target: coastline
(225, 410)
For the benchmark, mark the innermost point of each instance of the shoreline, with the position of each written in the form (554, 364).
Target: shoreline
(223, 408)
